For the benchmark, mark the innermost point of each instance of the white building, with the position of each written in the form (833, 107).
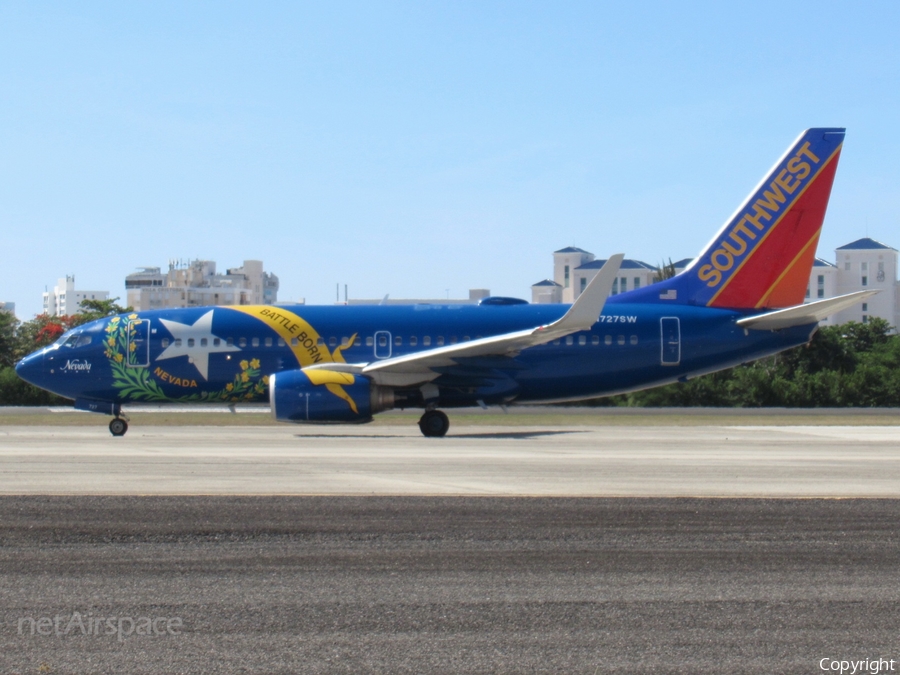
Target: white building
(64, 300)
(476, 295)
(573, 269)
(195, 283)
(862, 265)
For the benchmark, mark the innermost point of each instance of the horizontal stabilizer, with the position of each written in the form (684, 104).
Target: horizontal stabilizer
(803, 314)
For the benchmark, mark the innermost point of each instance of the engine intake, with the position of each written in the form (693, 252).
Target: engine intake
(326, 396)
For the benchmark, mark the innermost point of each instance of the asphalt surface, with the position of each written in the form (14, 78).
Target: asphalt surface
(447, 584)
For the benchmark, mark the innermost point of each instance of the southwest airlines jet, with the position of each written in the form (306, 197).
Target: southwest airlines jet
(741, 299)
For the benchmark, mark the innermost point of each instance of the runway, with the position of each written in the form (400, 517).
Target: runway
(633, 461)
(571, 549)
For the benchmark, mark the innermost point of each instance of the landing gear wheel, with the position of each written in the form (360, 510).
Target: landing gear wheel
(434, 423)
(118, 427)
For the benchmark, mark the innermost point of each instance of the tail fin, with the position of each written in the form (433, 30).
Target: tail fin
(763, 256)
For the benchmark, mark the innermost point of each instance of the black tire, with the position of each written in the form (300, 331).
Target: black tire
(118, 427)
(434, 424)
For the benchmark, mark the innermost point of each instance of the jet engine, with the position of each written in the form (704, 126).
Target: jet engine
(326, 396)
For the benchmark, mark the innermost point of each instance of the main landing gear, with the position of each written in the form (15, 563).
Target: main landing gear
(434, 423)
(118, 426)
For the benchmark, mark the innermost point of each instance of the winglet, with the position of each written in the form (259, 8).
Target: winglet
(586, 309)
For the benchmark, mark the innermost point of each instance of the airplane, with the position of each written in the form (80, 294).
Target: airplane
(741, 299)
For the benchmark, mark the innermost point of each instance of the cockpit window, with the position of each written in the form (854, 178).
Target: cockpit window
(83, 340)
(71, 341)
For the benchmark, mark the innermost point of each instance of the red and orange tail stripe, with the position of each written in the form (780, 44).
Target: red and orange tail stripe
(763, 256)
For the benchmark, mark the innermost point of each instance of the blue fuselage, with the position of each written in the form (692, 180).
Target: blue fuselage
(225, 354)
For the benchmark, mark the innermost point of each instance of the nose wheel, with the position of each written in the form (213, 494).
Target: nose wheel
(118, 427)
(434, 423)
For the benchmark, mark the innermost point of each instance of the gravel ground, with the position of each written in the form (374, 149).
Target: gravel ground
(446, 585)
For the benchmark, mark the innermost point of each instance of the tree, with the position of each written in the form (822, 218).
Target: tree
(665, 271)
(8, 325)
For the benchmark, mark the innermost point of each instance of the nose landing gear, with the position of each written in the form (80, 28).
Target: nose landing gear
(434, 424)
(118, 426)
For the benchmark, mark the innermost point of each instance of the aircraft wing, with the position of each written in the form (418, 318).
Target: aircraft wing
(411, 369)
(803, 314)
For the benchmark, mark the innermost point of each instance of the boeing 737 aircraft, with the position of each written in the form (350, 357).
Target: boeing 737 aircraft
(741, 299)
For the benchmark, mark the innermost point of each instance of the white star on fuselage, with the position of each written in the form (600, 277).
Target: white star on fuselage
(197, 353)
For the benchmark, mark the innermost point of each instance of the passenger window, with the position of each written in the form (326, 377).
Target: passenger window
(398, 341)
(426, 341)
(255, 342)
(382, 340)
(413, 341)
(332, 341)
(345, 341)
(216, 342)
(569, 340)
(634, 339)
(607, 340)
(595, 339)
(178, 342)
(621, 340)
(281, 342)
(556, 342)
(320, 341)
(204, 342)
(440, 341)
(242, 342)
(466, 338)
(190, 342)
(582, 340)
(370, 341)
(268, 342)
(165, 342)
(294, 342)
(452, 339)
(229, 342)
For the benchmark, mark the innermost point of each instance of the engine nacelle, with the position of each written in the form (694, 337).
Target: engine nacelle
(326, 396)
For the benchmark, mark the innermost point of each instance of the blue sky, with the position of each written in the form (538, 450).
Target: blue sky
(412, 148)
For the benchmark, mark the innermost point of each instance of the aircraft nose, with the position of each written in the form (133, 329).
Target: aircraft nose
(31, 368)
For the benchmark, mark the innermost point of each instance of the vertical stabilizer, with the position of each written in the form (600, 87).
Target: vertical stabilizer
(763, 255)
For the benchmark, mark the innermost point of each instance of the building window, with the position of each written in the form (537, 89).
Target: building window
(820, 292)
(566, 273)
(615, 288)
(865, 319)
(623, 286)
(583, 283)
(807, 292)
(864, 267)
(865, 306)
(846, 267)
(637, 283)
(865, 281)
